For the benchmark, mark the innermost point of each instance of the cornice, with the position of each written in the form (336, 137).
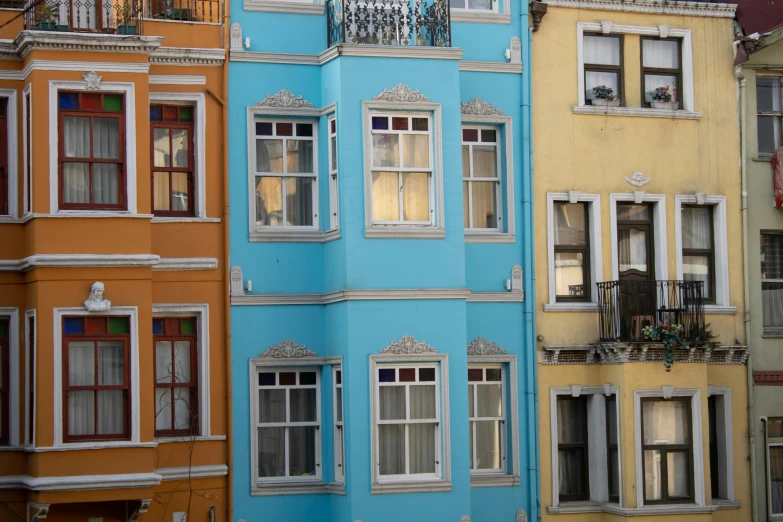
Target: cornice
(619, 353)
(349, 295)
(187, 56)
(652, 6)
(185, 473)
(28, 41)
(107, 260)
(497, 67)
(80, 482)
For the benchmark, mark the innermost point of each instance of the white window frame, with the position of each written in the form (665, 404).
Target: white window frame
(725, 442)
(667, 392)
(483, 16)
(201, 312)
(756, 113)
(503, 415)
(661, 31)
(659, 230)
(128, 91)
(720, 242)
(333, 168)
(12, 154)
(135, 433)
(339, 426)
(434, 228)
(597, 453)
(770, 443)
(197, 101)
(12, 314)
(441, 479)
(596, 244)
(27, 200)
(30, 379)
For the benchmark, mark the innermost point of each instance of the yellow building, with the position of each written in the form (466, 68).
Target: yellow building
(637, 208)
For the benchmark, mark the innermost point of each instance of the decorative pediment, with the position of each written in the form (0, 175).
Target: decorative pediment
(408, 346)
(481, 346)
(288, 350)
(93, 80)
(401, 93)
(285, 99)
(638, 179)
(479, 107)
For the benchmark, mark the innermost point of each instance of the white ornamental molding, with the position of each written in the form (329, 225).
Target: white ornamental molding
(408, 346)
(521, 515)
(479, 107)
(401, 93)
(638, 179)
(464, 518)
(96, 302)
(285, 99)
(93, 80)
(516, 50)
(288, 350)
(237, 281)
(144, 506)
(481, 346)
(516, 278)
(236, 37)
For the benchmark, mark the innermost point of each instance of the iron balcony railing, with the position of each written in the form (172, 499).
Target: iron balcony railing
(626, 307)
(389, 22)
(208, 11)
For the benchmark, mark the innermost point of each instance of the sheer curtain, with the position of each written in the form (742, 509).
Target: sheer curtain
(632, 250)
(301, 439)
(271, 440)
(421, 435)
(488, 434)
(776, 478)
(81, 372)
(385, 196)
(76, 139)
(111, 372)
(415, 196)
(105, 176)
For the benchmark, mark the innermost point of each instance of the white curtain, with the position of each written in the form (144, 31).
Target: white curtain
(488, 433)
(772, 304)
(661, 54)
(81, 372)
(776, 478)
(415, 196)
(421, 436)
(696, 227)
(632, 250)
(76, 138)
(601, 50)
(111, 372)
(105, 176)
(385, 196)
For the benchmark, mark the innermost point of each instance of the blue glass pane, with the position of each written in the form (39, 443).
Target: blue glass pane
(380, 123)
(263, 128)
(386, 375)
(156, 113)
(158, 326)
(73, 325)
(69, 100)
(266, 379)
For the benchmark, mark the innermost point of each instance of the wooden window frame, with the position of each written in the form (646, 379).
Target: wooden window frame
(609, 399)
(709, 252)
(126, 387)
(5, 388)
(621, 224)
(31, 379)
(472, 178)
(190, 170)
(583, 249)
(584, 446)
(194, 376)
(660, 71)
(775, 114)
(665, 449)
(472, 420)
(5, 195)
(120, 161)
(619, 69)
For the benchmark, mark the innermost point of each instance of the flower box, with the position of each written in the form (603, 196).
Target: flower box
(600, 102)
(671, 106)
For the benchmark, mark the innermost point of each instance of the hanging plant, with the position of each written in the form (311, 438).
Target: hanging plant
(670, 336)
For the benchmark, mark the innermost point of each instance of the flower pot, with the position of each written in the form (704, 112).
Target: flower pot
(600, 102)
(127, 29)
(671, 106)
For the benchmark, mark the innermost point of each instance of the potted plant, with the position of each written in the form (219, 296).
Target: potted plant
(670, 336)
(47, 19)
(127, 22)
(662, 99)
(604, 97)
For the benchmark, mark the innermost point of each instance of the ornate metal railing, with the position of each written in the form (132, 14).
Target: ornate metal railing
(209, 11)
(388, 22)
(96, 16)
(626, 307)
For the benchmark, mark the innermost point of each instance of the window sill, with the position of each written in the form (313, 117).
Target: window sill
(641, 112)
(93, 214)
(489, 238)
(478, 17)
(293, 488)
(302, 236)
(571, 307)
(726, 504)
(12, 448)
(198, 438)
(79, 446)
(292, 7)
(336, 488)
(720, 310)
(405, 233)
(615, 509)
(763, 158)
(492, 481)
(162, 219)
(411, 487)
(772, 334)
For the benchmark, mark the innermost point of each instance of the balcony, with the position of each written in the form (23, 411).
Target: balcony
(420, 23)
(626, 307)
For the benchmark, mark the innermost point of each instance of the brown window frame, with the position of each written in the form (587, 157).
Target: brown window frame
(661, 71)
(649, 226)
(665, 449)
(570, 446)
(619, 69)
(95, 338)
(193, 384)
(190, 171)
(28, 154)
(120, 161)
(608, 400)
(5, 400)
(31, 380)
(584, 250)
(5, 195)
(709, 252)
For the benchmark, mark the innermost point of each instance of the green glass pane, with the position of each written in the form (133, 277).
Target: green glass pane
(188, 326)
(186, 114)
(118, 325)
(112, 102)
(3, 330)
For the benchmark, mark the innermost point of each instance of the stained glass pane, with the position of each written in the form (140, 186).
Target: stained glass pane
(112, 102)
(380, 123)
(426, 374)
(118, 325)
(3, 330)
(91, 101)
(68, 100)
(493, 374)
(339, 377)
(407, 374)
(386, 375)
(170, 113)
(285, 129)
(266, 379)
(186, 114)
(287, 378)
(469, 134)
(420, 124)
(307, 378)
(188, 326)
(73, 325)
(304, 129)
(475, 374)
(399, 123)
(156, 113)
(488, 135)
(263, 128)
(157, 326)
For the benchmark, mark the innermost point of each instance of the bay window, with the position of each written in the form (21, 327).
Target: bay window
(176, 376)
(769, 113)
(772, 282)
(603, 64)
(173, 160)
(667, 450)
(481, 178)
(698, 248)
(661, 69)
(487, 417)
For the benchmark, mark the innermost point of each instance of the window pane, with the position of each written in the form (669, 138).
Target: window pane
(269, 201)
(183, 415)
(271, 452)
(471, 395)
(598, 79)
(571, 471)
(422, 448)
(488, 135)
(112, 102)
(386, 375)
(571, 419)
(407, 374)
(775, 427)
(465, 204)
(179, 189)
(652, 475)
(493, 375)
(163, 409)
(163, 369)
(399, 123)
(697, 268)
(269, 155)
(484, 205)
(385, 196)
(611, 420)
(391, 449)
(415, 196)
(385, 150)
(602, 50)
(180, 143)
(416, 150)
(678, 474)
(776, 477)
(303, 405)
(307, 378)
(284, 129)
(480, 4)
(301, 451)
(569, 274)
(111, 412)
(299, 201)
(392, 401)
(333, 145)
(299, 156)
(666, 422)
(485, 161)
(614, 473)
(653, 81)
(266, 379)
(570, 224)
(772, 304)
(632, 249)
(263, 128)
(426, 374)
(422, 400)
(182, 361)
(339, 400)
(271, 405)
(633, 212)
(768, 95)
(304, 129)
(162, 148)
(105, 183)
(380, 123)
(470, 135)
(81, 363)
(76, 137)
(488, 446)
(162, 198)
(465, 161)
(696, 227)
(661, 54)
(772, 256)
(489, 399)
(76, 181)
(106, 138)
(420, 124)
(111, 363)
(81, 412)
(768, 133)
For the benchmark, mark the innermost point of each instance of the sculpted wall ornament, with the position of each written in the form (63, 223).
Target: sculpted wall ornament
(288, 350)
(285, 99)
(236, 281)
(407, 346)
(521, 515)
(515, 46)
(464, 518)
(93, 80)
(95, 302)
(481, 346)
(638, 179)
(401, 93)
(236, 37)
(480, 107)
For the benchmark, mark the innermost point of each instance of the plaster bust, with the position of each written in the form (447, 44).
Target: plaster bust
(95, 302)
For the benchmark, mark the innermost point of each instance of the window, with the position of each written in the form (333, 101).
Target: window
(478, 5)
(176, 376)
(603, 64)
(772, 282)
(572, 448)
(5, 377)
(698, 248)
(28, 134)
(775, 464)
(96, 378)
(571, 252)
(769, 113)
(285, 173)
(334, 201)
(31, 378)
(612, 451)
(339, 433)
(4, 181)
(91, 150)
(713, 447)
(288, 425)
(481, 178)
(487, 413)
(667, 450)
(661, 68)
(173, 160)
(402, 169)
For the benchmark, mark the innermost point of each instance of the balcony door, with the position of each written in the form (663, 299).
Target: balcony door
(635, 258)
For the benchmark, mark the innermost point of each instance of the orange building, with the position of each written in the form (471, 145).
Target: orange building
(113, 281)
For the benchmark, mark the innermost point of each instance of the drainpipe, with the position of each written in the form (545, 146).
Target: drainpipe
(746, 295)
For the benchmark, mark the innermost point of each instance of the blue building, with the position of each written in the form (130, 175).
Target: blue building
(383, 347)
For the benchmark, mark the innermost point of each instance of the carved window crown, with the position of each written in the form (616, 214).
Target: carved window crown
(401, 93)
(408, 346)
(481, 346)
(288, 350)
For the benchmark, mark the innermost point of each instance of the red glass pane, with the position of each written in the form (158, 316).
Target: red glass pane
(170, 113)
(287, 378)
(475, 374)
(172, 326)
(407, 374)
(285, 129)
(91, 101)
(95, 325)
(469, 134)
(399, 123)
(333, 126)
